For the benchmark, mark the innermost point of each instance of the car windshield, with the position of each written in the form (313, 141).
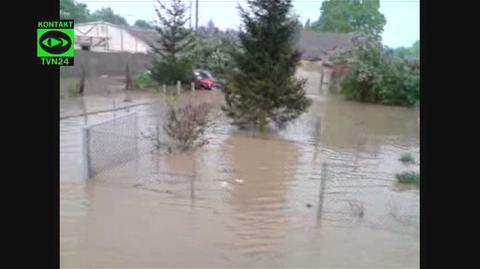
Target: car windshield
(204, 74)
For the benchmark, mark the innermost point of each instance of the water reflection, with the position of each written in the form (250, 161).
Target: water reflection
(350, 124)
(262, 171)
(248, 204)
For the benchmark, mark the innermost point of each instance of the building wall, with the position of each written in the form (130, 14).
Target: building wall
(118, 39)
(106, 63)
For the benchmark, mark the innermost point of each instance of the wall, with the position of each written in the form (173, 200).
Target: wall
(106, 63)
(117, 39)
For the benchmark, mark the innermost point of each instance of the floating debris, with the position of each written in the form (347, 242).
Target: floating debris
(239, 181)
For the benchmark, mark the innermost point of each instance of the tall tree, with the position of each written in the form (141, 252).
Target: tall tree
(70, 9)
(263, 88)
(350, 16)
(307, 24)
(143, 24)
(211, 27)
(174, 44)
(107, 14)
(210, 24)
(409, 52)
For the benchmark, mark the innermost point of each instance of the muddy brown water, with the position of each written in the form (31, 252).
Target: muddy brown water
(321, 193)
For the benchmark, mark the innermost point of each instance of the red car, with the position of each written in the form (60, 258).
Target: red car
(202, 80)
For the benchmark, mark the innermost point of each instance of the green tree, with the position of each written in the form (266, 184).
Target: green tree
(376, 75)
(107, 14)
(307, 24)
(409, 52)
(175, 41)
(213, 51)
(347, 16)
(263, 88)
(211, 26)
(143, 24)
(69, 9)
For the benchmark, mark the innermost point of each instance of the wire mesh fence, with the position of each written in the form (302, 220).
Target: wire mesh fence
(110, 144)
(349, 196)
(351, 190)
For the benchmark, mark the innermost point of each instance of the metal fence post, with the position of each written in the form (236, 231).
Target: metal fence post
(136, 137)
(86, 153)
(193, 88)
(322, 192)
(321, 78)
(114, 108)
(178, 87)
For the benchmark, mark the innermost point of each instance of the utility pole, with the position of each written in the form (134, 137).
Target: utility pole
(196, 16)
(190, 14)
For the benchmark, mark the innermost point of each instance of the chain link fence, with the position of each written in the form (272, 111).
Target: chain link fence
(349, 196)
(109, 144)
(351, 190)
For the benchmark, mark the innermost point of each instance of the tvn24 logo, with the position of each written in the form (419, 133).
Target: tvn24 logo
(55, 42)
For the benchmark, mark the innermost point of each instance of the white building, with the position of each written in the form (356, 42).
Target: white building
(106, 37)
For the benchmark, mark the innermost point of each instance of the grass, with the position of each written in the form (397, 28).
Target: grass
(408, 178)
(407, 158)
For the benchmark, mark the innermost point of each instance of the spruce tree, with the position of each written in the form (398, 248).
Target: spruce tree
(175, 41)
(263, 89)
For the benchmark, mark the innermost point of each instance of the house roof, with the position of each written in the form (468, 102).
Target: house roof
(148, 36)
(98, 22)
(319, 45)
(312, 45)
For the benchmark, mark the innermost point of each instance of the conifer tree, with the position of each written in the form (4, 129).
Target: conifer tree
(264, 89)
(175, 41)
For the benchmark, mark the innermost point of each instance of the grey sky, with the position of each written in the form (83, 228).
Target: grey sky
(402, 28)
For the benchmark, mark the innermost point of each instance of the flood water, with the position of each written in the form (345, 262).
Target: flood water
(321, 193)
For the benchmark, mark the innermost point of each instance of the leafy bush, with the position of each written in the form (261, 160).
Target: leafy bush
(408, 178)
(376, 75)
(142, 81)
(409, 52)
(170, 71)
(407, 158)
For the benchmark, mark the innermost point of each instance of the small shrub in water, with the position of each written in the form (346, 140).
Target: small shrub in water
(186, 125)
(408, 178)
(407, 158)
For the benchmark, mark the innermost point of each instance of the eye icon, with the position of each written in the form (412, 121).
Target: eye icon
(55, 42)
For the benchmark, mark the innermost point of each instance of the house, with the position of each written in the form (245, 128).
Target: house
(319, 46)
(102, 36)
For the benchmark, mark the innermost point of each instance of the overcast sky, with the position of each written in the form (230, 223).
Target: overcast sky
(402, 28)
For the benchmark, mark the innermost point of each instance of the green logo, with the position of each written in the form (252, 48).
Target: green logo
(55, 42)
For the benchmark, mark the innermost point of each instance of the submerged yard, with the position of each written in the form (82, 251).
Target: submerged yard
(322, 193)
